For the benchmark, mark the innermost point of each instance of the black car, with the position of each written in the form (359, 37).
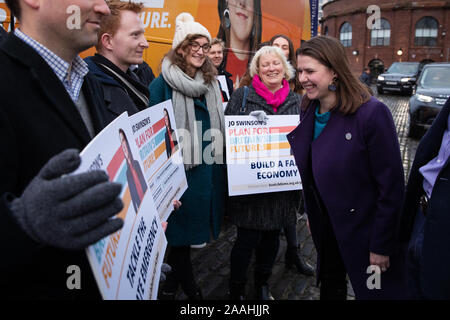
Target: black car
(431, 93)
(400, 77)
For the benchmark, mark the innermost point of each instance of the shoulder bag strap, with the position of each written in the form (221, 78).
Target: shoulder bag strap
(244, 101)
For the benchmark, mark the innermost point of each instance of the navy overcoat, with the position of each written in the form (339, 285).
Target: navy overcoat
(358, 172)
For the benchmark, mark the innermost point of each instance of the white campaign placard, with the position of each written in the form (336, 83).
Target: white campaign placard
(126, 264)
(226, 91)
(155, 138)
(259, 156)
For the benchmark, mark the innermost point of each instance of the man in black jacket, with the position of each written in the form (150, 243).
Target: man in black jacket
(121, 44)
(216, 56)
(426, 214)
(365, 76)
(50, 107)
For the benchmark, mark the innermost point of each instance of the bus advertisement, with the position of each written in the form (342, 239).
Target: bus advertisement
(242, 24)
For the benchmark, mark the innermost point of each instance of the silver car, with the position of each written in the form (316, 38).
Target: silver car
(430, 94)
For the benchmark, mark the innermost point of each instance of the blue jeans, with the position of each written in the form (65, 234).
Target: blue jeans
(414, 257)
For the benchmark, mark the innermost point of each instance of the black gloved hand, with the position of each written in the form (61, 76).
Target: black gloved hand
(72, 211)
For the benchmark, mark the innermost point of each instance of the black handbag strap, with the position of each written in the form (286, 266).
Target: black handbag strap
(244, 101)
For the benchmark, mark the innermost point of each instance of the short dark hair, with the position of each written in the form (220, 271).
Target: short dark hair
(14, 7)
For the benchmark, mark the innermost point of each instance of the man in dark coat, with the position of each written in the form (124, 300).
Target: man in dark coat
(50, 103)
(365, 76)
(426, 213)
(120, 45)
(216, 56)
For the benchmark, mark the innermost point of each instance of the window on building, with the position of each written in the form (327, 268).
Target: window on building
(382, 36)
(326, 30)
(426, 32)
(345, 35)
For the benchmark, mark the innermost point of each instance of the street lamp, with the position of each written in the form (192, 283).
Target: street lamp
(355, 52)
(400, 52)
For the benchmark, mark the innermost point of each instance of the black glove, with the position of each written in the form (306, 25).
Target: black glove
(68, 211)
(165, 270)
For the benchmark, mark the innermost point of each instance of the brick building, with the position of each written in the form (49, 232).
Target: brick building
(407, 31)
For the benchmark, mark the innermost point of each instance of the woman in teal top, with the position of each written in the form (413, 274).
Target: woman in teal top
(188, 79)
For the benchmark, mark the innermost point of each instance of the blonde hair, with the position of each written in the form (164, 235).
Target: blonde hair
(218, 41)
(289, 71)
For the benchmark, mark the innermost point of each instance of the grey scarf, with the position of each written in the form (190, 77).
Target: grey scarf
(185, 89)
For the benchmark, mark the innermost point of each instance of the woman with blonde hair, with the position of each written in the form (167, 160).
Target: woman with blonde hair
(260, 217)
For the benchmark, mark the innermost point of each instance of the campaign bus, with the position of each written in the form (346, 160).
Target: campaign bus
(242, 24)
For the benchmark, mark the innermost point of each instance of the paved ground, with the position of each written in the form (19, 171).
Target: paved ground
(211, 264)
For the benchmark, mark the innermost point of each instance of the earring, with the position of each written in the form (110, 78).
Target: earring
(226, 19)
(333, 86)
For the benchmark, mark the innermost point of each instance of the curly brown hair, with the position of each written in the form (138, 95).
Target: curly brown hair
(208, 69)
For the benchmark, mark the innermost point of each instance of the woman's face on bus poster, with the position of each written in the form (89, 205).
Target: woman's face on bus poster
(241, 18)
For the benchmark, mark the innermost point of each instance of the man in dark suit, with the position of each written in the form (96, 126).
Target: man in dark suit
(426, 213)
(50, 103)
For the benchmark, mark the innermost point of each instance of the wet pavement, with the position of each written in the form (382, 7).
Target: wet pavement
(212, 263)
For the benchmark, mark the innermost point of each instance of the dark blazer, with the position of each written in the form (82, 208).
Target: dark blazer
(222, 72)
(435, 276)
(135, 199)
(357, 169)
(38, 120)
(167, 141)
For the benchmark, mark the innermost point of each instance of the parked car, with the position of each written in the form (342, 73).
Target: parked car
(431, 93)
(400, 77)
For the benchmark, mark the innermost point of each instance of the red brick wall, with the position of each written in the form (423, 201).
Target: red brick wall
(402, 16)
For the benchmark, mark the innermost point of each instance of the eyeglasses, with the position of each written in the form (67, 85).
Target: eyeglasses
(196, 47)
